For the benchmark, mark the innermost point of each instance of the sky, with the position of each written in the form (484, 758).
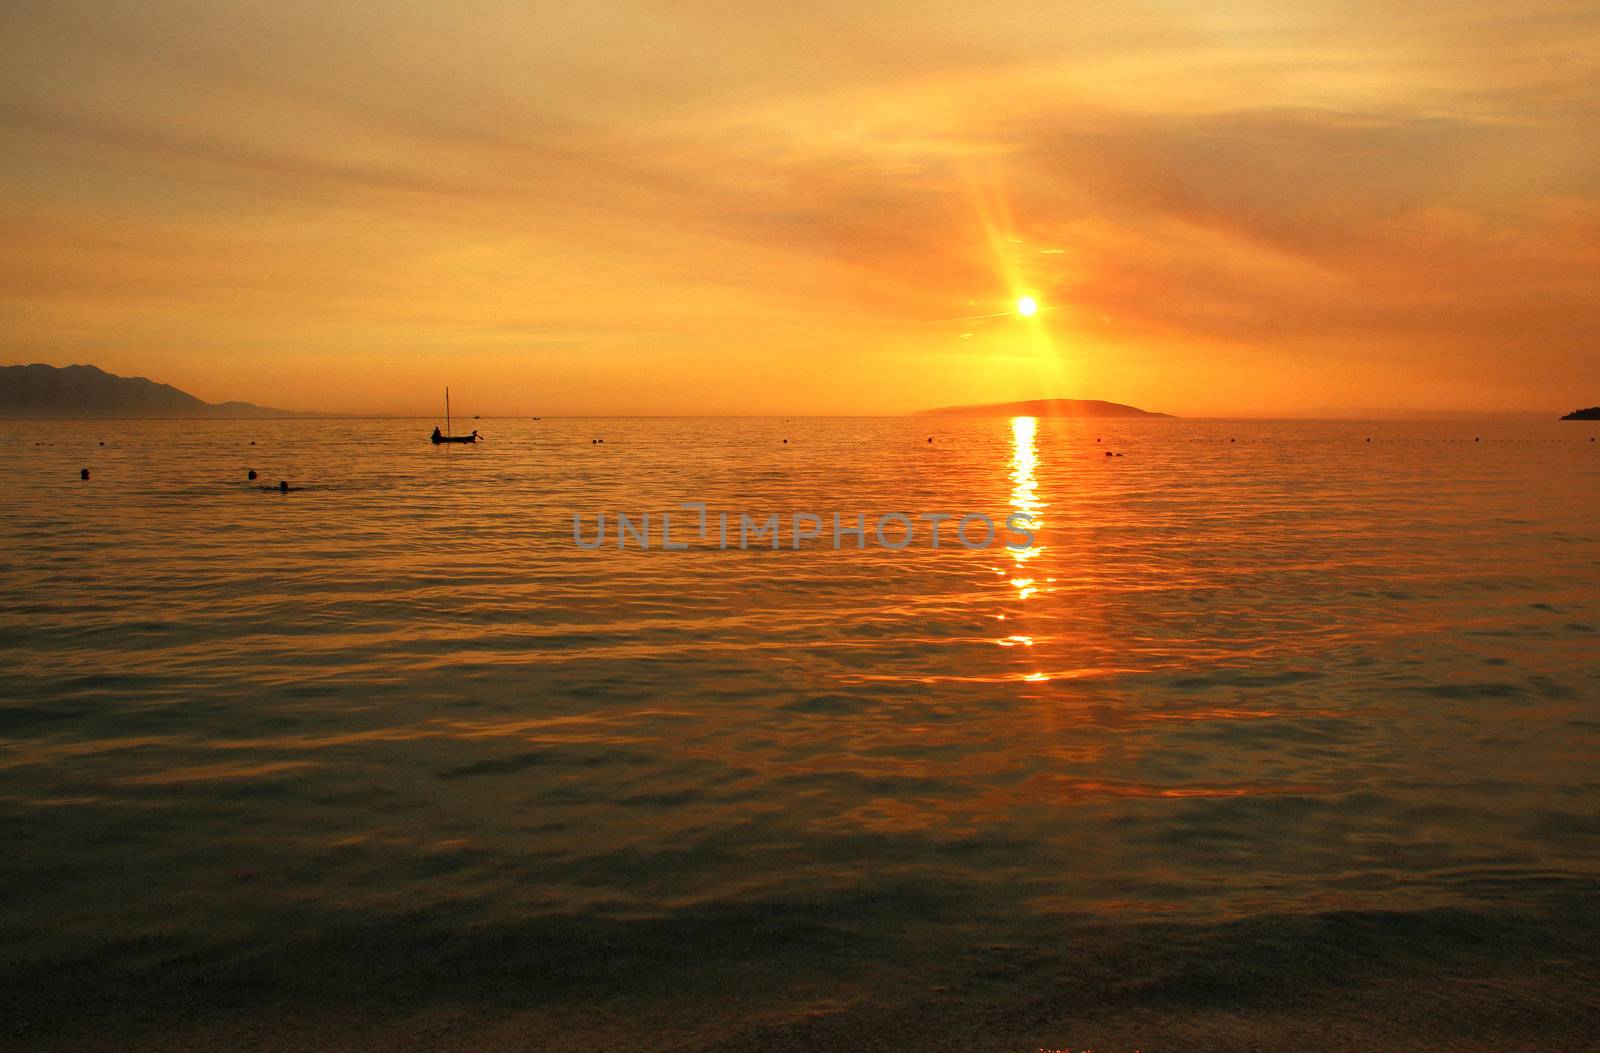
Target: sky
(1222, 209)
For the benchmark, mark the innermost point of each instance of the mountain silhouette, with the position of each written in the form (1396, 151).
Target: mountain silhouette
(88, 391)
(1045, 408)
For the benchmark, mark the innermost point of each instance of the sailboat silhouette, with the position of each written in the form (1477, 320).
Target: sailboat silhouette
(438, 437)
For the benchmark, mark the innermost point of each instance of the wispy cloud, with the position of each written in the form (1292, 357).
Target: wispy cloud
(681, 207)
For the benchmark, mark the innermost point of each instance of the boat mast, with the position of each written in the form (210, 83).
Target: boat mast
(447, 409)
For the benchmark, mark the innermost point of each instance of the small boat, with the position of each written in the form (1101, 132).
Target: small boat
(444, 436)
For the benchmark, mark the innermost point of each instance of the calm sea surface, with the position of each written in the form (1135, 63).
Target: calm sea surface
(1281, 736)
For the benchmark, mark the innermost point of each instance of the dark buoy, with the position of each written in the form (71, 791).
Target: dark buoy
(1369, 438)
(84, 474)
(251, 474)
(252, 442)
(1233, 440)
(283, 486)
(102, 442)
(786, 442)
(1108, 453)
(930, 438)
(1097, 440)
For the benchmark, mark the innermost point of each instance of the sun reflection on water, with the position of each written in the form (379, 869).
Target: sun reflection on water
(1025, 494)
(1025, 500)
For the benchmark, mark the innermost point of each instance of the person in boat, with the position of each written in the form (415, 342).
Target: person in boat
(436, 434)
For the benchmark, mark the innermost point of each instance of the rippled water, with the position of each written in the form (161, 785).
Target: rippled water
(1282, 736)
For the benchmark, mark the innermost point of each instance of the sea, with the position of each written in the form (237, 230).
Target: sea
(1267, 736)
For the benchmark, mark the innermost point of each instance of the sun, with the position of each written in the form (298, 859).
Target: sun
(1027, 307)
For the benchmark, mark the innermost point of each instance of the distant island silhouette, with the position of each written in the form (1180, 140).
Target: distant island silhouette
(88, 391)
(1044, 408)
(1592, 413)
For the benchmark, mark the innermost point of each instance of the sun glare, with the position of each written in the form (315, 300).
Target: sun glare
(1027, 307)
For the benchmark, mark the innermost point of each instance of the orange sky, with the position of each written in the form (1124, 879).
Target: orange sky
(1223, 208)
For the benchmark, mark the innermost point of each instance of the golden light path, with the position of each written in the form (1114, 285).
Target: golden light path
(1025, 499)
(1025, 495)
